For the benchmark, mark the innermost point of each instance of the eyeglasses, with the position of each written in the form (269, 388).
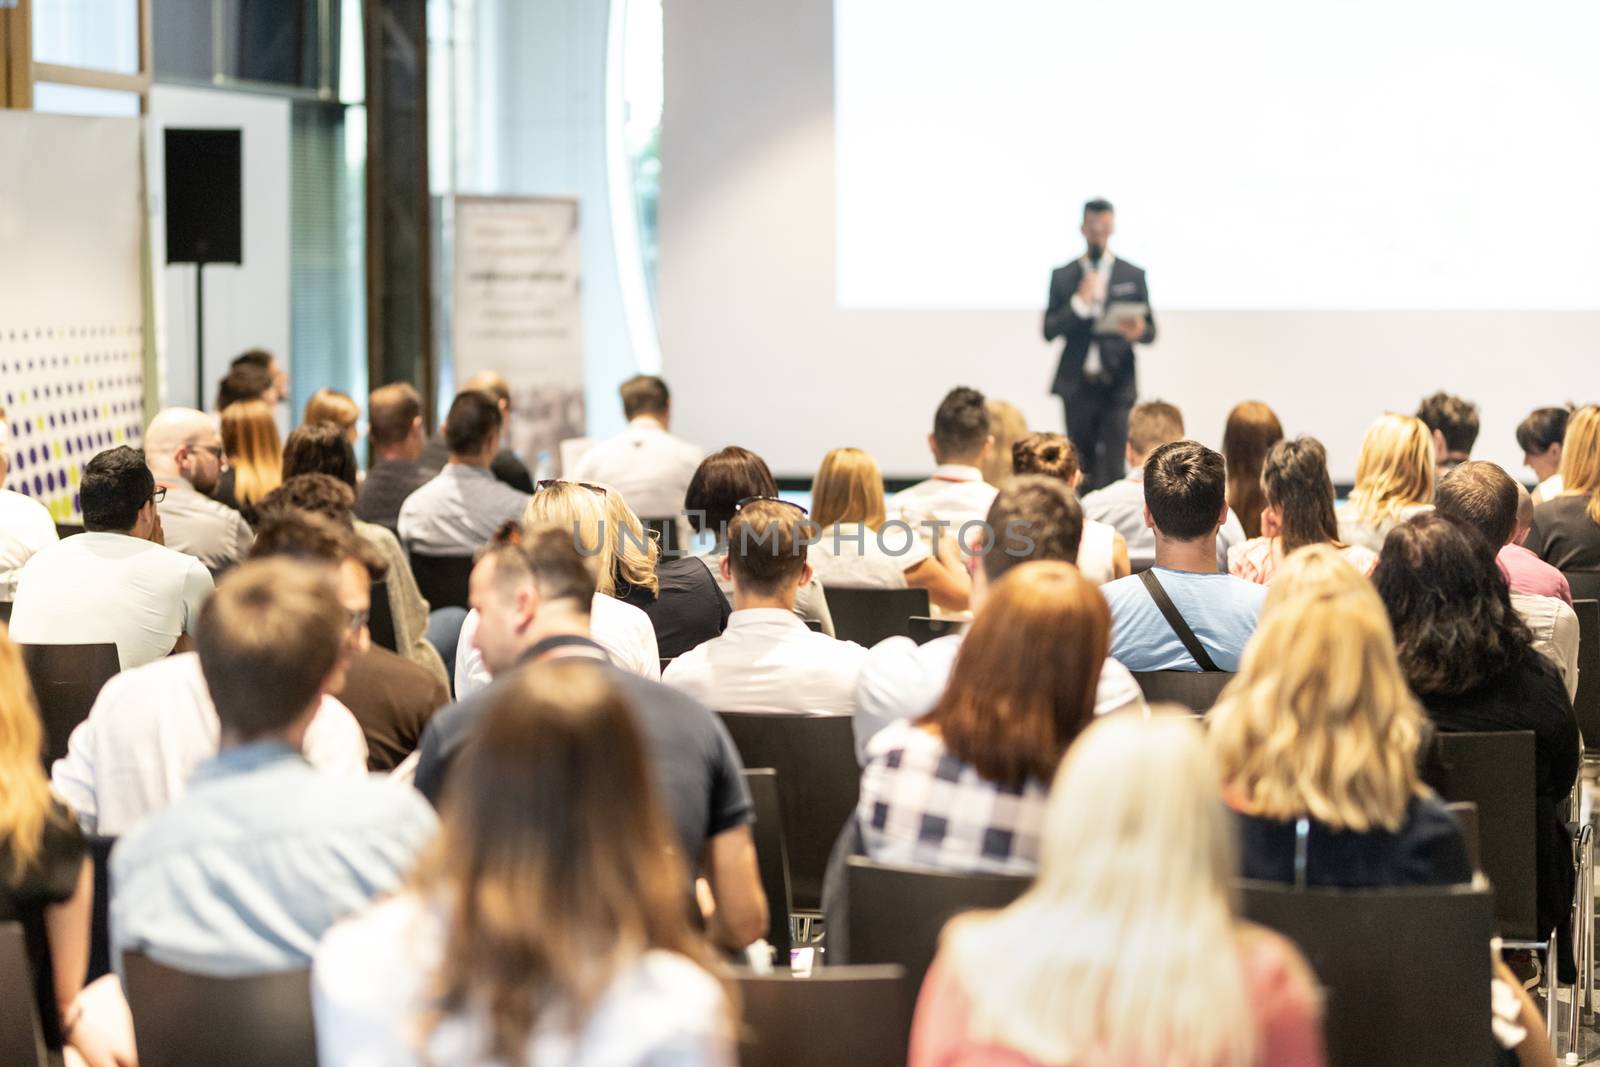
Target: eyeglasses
(159, 495)
(774, 499)
(545, 483)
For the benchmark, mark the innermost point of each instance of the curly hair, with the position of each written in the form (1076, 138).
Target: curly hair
(1454, 626)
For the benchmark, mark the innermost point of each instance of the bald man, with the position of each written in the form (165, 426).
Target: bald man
(505, 465)
(183, 448)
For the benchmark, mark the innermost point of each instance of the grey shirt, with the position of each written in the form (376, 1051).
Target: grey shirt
(196, 525)
(457, 512)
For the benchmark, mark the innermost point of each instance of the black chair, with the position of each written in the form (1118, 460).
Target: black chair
(21, 1036)
(897, 914)
(859, 1016)
(1139, 566)
(772, 856)
(1586, 703)
(819, 782)
(442, 579)
(5, 611)
(68, 529)
(1195, 690)
(1405, 972)
(867, 616)
(100, 922)
(665, 531)
(182, 1019)
(380, 620)
(1466, 817)
(66, 680)
(1585, 584)
(925, 629)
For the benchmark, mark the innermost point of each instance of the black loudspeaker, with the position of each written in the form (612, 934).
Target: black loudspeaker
(204, 208)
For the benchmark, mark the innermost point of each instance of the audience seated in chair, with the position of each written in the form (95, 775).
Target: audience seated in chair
(244, 872)
(183, 448)
(255, 456)
(1185, 506)
(963, 788)
(1524, 571)
(1121, 504)
(461, 507)
(852, 548)
(391, 697)
(1298, 511)
(25, 524)
(533, 602)
(1248, 435)
(47, 882)
(1483, 497)
(1103, 552)
(1469, 657)
(768, 659)
(116, 583)
(336, 409)
(554, 804)
(253, 375)
(646, 464)
(682, 599)
(394, 415)
(1453, 422)
(1394, 480)
(956, 495)
(1540, 437)
(1126, 950)
(502, 463)
(1007, 425)
(1566, 527)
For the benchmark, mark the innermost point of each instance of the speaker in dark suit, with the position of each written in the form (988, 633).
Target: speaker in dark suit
(1095, 378)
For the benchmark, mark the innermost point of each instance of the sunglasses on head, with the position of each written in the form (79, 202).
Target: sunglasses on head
(774, 499)
(545, 483)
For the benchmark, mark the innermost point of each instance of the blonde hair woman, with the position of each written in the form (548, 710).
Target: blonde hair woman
(332, 406)
(1126, 950)
(255, 454)
(1007, 425)
(853, 550)
(1394, 480)
(1317, 737)
(46, 880)
(1566, 528)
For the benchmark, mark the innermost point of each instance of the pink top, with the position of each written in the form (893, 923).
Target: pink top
(1282, 989)
(1527, 573)
(1257, 559)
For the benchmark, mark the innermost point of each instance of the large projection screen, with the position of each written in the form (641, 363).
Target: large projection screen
(1342, 207)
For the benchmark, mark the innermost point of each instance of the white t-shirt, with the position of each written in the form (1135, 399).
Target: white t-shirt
(25, 528)
(646, 464)
(624, 631)
(1097, 552)
(848, 555)
(110, 588)
(768, 659)
(956, 494)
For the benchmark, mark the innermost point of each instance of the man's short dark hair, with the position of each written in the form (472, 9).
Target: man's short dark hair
(293, 533)
(1455, 418)
(391, 411)
(254, 357)
(320, 448)
(961, 425)
(1482, 496)
(473, 422)
(548, 557)
(644, 394)
(1033, 517)
(246, 381)
(1542, 428)
(321, 494)
(115, 485)
(268, 638)
(767, 545)
(1097, 206)
(1185, 484)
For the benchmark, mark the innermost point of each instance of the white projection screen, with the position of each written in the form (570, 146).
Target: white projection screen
(1342, 205)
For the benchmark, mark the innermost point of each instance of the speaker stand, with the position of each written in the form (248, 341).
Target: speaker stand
(200, 336)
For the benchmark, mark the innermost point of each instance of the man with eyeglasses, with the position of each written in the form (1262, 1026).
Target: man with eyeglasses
(116, 583)
(183, 448)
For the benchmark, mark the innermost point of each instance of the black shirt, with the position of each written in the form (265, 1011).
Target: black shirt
(393, 699)
(689, 610)
(50, 879)
(505, 465)
(1564, 535)
(1426, 850)
(386, 487)
(698, 771)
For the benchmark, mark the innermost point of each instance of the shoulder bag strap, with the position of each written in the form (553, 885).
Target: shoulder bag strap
(1169, 611)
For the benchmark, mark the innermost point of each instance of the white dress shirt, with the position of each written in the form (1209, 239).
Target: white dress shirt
(624, 631)
(458, 511)
(372, 981)
(848, 555)
(110, 588)
(25, 528)
(1555, 633)
(1097, 552)
(901, 679)
(646, 464)
(1549, 489)
(148, 730)
(768, 659)
(1121, 506)
(956, 494)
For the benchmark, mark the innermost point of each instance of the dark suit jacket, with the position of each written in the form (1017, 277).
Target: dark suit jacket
(1127, 285)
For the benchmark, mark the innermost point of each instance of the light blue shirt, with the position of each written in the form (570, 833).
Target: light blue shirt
(1221, 610)
(1121, 504)
(245, 871)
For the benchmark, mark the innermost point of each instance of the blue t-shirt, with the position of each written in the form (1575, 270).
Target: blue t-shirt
(1221, 610)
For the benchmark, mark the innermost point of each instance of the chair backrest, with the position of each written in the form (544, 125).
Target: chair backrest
(100, 919)
(1586, 703)
(1465, 814)
(819, 782)
(182, 1019)
(898, 913)
(1585, 584)
(5, 611)
(855, 1015)
(925, 629)
(380, 620)
(21, 1037)
(772, 857)
(867, 616)
(66, 680)
(1495, 772)
(442, 580)
(68, 529)
(1426, 1002)
(665, 530)
(1195, 690)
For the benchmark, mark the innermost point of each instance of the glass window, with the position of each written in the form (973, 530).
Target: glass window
(50, 98)
(97, 34)
(642, 92)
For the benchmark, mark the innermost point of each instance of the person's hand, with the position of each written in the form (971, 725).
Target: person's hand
(90, 1047)
(1133, 328)
(157, 535)
(1090, 290)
